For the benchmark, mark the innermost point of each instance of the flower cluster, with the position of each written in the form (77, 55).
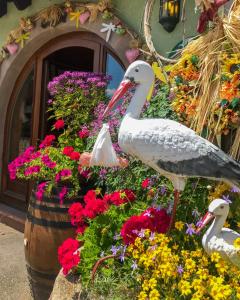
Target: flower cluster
(156, 220)
(184, 76)
(71, 82)
(50, 166)
(171, 272)
(68, 255)
(226, 112)
(94, 206)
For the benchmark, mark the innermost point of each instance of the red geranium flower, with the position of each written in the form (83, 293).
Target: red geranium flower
(76, 213)
(160, 219)
(120, 197)
(145, 183)
(81, 228)
(75, 155)
(47, 141)
(68, 255)
(59, 124)
(132, 226)
(68, 150)
(153, 219)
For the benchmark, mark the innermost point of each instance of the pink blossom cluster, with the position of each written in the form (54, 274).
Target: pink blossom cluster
(23, 158)
(40, 190)
(63, 174)
(48, 162)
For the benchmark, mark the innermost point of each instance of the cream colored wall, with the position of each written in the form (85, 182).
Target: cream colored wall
(130, 11)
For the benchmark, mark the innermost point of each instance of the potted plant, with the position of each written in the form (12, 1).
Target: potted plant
(54, 167)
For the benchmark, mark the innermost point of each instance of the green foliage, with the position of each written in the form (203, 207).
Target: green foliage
(160, 105)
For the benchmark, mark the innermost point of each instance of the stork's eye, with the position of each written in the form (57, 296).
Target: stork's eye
(137, 70)
(222, 207)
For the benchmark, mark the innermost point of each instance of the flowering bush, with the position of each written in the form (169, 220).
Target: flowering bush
(74, 96)
(179, 269)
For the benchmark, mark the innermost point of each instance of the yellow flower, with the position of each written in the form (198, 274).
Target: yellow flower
(215, 257)
(154, 295)
(152, 283)
(179, 225)
(237, 243)
(185, 287)
(142, 296)
(238, 224)
(190, 264)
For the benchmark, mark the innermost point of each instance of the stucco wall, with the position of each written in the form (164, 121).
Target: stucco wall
(130, 11)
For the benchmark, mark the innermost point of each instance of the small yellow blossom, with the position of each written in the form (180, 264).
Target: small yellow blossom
(237, 243)
(154, 295)
(215, 257)
(179, 225)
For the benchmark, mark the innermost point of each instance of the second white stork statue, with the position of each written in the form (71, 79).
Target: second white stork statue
(172, 149)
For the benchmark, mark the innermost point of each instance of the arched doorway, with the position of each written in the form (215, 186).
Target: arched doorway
(27, 119)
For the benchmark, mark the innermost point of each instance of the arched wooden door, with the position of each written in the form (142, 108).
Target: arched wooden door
(27, 120)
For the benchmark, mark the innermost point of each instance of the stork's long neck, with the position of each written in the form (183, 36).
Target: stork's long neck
(216, 226)
(138, 99)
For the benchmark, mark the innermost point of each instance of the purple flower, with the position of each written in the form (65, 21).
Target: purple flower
(152, 236)
(116, 236)
(114, 250)
(180, 269)
(226, 198)
(122, 257)
(102, 173)
(190, 230)
(235, 189)
(163, 190)
(141, 234)
(134, 266)
(50, 101)
(159, 207)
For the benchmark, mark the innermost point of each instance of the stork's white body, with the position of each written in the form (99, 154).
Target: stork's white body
(169, 147)
(221, 240)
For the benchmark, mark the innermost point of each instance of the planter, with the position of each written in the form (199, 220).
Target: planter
(47, 226)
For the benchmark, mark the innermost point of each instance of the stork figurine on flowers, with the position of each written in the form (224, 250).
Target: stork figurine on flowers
(170, 148)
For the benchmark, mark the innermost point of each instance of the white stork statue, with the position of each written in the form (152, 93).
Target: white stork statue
(219, 239)
(170, 148)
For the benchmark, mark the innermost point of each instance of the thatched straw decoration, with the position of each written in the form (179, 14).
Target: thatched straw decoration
(231, 26)
(207, 48)
(50, 16)
(235, 149)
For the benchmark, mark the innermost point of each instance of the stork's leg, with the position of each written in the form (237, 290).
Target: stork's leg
(173, 215)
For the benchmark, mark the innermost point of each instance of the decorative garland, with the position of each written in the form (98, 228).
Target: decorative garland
(77, 12)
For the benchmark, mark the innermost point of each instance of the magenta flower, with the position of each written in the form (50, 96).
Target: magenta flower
(62, 194)
(32, 170)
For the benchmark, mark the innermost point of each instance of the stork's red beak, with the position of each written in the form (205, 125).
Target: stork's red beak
(205, 220)
(124, 86)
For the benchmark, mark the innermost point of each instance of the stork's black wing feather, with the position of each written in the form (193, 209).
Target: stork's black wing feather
(215, 164)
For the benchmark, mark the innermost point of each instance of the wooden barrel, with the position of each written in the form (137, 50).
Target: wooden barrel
(47, 226)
